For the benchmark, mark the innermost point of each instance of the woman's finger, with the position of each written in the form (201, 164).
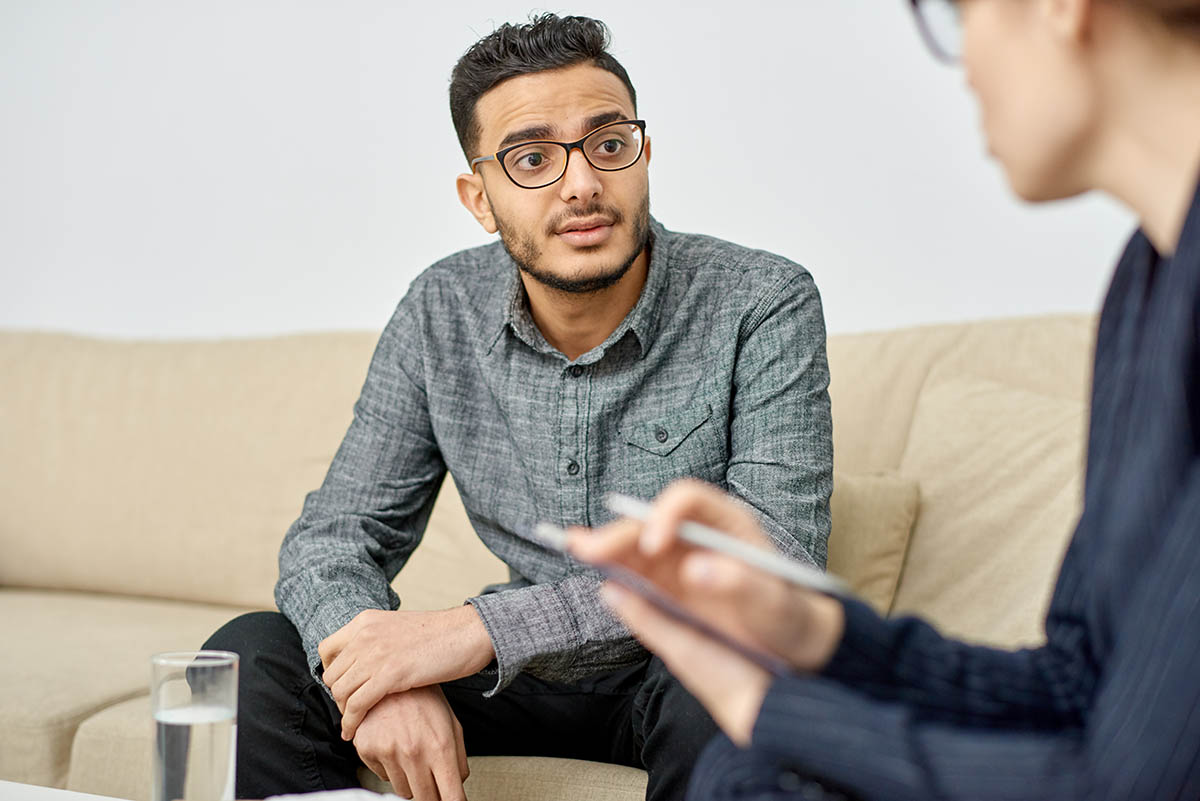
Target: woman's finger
(611, 543)
(672, 641)
(696, 501)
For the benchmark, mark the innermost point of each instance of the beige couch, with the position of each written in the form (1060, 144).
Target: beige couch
(146, 487)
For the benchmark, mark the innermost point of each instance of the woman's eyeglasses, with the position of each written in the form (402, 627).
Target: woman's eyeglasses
(941, 27)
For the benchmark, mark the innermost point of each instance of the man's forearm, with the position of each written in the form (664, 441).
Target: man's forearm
(468, 638)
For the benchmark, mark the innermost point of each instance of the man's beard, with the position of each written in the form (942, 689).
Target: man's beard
(523, 250)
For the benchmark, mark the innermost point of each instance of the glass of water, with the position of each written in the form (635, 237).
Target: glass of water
(193, 697)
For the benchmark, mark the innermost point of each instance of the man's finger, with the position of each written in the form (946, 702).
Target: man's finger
(359, 704)
(421, 782)
(331, 646)
(375, 767)
(344, 687)
(448, 778)
(460, 749)
(397, 777)
(337, 667)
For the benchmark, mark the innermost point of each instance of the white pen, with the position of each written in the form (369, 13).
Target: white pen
(771, 562)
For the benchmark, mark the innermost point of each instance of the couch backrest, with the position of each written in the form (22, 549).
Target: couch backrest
(173, 469)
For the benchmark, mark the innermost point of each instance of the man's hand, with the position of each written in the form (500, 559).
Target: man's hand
(413, 740)
(758, 609)
(379, 653)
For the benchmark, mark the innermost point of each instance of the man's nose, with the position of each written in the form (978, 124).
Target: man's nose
(581, 181)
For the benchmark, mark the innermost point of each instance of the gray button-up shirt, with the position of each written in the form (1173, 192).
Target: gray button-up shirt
(718, 372)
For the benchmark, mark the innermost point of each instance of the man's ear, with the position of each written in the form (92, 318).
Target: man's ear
(646, 150)
(475, 200)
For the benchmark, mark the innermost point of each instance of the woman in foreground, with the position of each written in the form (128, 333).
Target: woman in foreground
(1075, 95)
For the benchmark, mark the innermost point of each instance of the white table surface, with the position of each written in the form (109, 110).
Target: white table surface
(12, 791)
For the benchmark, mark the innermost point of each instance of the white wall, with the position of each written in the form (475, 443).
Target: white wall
(174, 168)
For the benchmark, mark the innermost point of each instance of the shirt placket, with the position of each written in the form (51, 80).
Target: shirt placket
(573, 452)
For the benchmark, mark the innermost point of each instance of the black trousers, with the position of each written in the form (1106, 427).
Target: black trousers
(289, 728)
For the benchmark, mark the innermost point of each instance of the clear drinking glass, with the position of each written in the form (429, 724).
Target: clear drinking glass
(193, 697)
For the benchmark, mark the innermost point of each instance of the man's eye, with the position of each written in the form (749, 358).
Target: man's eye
(529, 160)
(610, 147)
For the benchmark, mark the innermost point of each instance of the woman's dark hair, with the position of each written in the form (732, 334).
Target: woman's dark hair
(546, 42)
(1180, 15)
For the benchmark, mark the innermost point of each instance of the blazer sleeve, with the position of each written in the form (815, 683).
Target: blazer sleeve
(1138, 737)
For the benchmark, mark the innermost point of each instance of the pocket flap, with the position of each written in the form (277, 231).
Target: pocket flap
(665, 434)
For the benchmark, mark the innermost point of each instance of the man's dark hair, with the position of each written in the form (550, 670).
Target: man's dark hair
(546, 42)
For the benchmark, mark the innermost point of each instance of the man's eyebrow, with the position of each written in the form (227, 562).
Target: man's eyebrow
(527, 135)
(537, 132)
(604, 119)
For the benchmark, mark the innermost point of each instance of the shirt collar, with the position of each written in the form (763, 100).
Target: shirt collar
(642, 321)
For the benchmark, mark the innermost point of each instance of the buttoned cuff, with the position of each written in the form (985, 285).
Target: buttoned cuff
(526, 625)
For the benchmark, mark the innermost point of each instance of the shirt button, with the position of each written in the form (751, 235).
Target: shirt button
(576, 371)
(660, 434)
(573, 467)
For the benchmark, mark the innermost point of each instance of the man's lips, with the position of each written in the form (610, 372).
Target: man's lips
(585, 224)
(586, 233)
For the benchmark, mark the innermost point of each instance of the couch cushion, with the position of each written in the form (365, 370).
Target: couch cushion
(873, 517)
(1001, 472)
(111, 756)
(73, 655)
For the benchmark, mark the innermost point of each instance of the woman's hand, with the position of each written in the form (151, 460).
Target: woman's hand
(755, 608)
(729, 686)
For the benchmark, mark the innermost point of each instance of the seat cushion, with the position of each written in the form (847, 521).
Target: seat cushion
(75, 655)
(542, 779)
(112, 753)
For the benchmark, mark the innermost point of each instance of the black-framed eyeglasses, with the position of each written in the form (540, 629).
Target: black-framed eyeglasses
(940, 22)
(532, 165)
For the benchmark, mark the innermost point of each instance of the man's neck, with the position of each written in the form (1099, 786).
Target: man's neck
(574, 323)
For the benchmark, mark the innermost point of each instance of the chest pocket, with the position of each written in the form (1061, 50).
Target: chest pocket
(667, 433)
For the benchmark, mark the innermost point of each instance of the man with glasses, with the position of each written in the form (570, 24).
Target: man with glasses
(589, 351)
